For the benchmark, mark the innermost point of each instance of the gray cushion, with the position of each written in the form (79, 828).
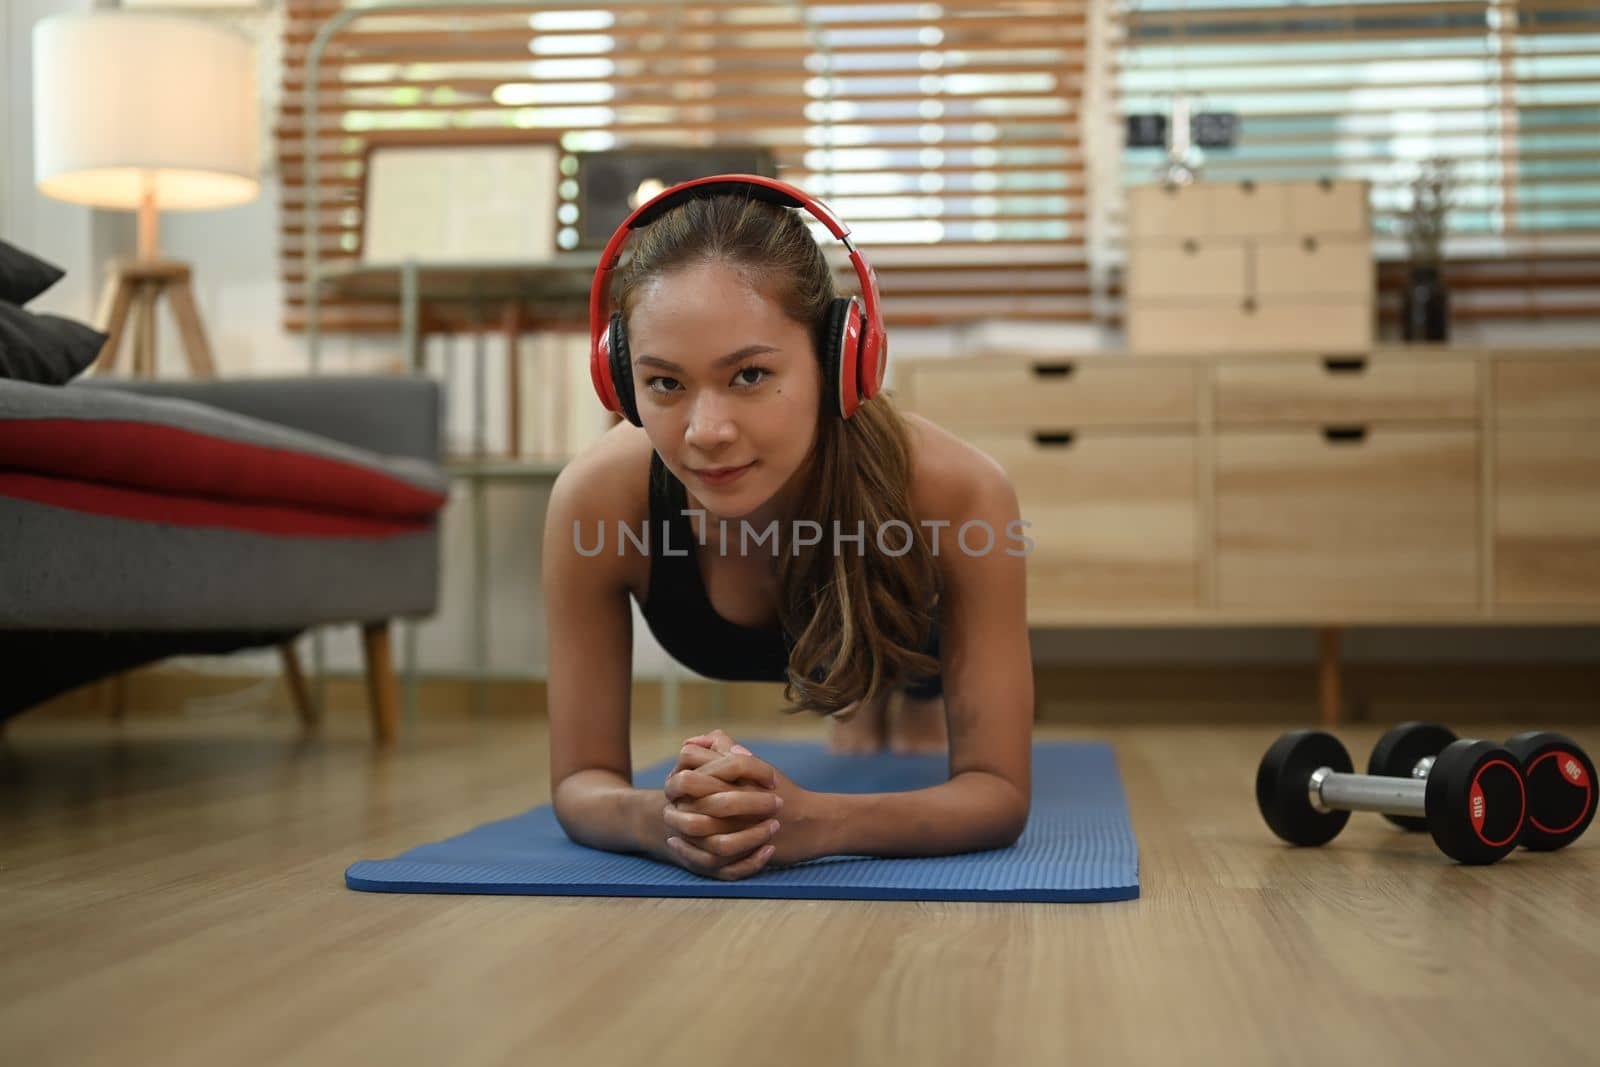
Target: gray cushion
(66, 570)
(394, 416)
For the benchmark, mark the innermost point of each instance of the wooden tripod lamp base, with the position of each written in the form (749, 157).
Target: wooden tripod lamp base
(136, 286)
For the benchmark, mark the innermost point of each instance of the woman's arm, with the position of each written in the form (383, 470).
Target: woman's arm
(590, 629)
(987, 666)
(988, 674)
(590, 626)
(972, 812)
(601, 809)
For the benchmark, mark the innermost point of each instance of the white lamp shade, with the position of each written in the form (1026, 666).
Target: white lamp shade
(126, 101)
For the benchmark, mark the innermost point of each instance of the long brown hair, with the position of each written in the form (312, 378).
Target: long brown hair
(860, 615)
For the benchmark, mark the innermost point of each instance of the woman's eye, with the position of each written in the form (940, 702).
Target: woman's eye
(745, 376)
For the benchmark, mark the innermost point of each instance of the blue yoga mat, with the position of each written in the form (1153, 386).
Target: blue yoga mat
(1078, 845)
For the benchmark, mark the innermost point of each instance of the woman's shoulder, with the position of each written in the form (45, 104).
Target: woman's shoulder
(605, 486)
(610, 478)
(950, 478)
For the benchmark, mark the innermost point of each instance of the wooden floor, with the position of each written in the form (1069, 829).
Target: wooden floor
(172, 893)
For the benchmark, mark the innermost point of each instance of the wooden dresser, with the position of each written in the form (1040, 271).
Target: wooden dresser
(1417, 485)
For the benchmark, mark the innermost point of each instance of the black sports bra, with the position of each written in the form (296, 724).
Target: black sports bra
(678, 609)
(680, 614)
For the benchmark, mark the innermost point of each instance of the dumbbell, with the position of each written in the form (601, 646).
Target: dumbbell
(1559, 776)
(1473, 800)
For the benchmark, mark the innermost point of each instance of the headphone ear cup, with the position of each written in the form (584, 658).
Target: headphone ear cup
(622, 369)
(839, 342)
(874, 361)
(600, 371)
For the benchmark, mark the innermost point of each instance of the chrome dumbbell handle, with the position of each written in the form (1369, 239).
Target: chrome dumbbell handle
(1330, 790)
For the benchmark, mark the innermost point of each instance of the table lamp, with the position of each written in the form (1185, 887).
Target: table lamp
(146, 113)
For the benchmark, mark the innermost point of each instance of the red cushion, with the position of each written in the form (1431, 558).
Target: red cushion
(182, 463)
(143, 505)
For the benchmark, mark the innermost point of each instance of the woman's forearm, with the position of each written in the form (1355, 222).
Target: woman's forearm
(602, 810)
(969, 813)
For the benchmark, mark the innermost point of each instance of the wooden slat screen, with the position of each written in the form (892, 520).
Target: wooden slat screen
(1509, 89)
(947, 135)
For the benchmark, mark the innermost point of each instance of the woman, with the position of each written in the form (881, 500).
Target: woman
(777, 518)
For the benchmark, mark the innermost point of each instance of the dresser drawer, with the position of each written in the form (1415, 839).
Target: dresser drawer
(1169, 211)
(1186, 268)
(1547, 390)
(1547, 516)
(1314, 266)
(1209, 209)
(1328, 207)
(1112, 517)
(1381, 520)
(1278, 324)
(1004, 393)
(1249, 209)
(1324, 389)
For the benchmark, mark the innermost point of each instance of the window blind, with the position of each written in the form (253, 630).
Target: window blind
(946, 135)
(1507, 89)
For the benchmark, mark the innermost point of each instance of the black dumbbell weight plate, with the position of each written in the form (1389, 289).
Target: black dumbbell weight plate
(1398, 752)
(1283, 783)
(1476, 801)
(1561, 789)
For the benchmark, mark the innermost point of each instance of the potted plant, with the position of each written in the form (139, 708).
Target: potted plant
(1425, 301)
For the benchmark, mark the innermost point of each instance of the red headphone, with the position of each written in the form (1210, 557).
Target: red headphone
(854, 350)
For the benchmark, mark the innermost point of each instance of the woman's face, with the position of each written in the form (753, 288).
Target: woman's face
(724, 380)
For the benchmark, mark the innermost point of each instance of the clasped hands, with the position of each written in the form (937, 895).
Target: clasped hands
(729, 814)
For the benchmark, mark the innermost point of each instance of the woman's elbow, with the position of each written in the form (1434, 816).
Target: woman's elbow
(1012, 831)
(1010, 825)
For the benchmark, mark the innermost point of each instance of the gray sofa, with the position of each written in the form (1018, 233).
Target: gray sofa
(140, 520)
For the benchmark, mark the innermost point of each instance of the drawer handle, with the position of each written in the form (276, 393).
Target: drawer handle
(1344, 364)
(1053, 370)
(1057, 439)
(1344, 434)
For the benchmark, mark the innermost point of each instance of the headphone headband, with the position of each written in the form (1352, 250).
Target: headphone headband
(760, 188)
(775, 193)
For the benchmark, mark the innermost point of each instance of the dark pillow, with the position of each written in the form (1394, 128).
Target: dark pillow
(44, 349)
(23, 277)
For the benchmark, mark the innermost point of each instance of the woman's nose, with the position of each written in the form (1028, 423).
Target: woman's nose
(708, 424)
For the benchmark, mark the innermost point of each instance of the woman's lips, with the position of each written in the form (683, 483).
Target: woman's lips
(722, 475)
